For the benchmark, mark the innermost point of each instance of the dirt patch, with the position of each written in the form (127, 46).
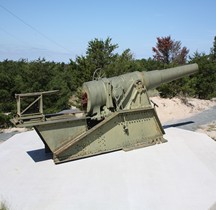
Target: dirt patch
(209, 129)
(180, 108)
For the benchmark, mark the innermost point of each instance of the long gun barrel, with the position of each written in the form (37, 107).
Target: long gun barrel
(112, 92)
(155, 78)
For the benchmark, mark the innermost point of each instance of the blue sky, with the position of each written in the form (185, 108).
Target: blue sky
(60, 30)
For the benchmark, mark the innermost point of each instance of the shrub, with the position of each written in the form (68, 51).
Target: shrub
(4, 120)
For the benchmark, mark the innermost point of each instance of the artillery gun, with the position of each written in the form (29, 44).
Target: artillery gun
(118, 115)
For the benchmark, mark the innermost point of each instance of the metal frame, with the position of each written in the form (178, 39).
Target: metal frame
(21, 113)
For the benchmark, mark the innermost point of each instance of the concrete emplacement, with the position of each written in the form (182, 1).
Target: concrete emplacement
(179, 174)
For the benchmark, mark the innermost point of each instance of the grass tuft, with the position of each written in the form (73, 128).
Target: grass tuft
(3, 205)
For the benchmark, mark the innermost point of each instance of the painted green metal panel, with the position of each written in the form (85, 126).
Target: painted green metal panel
(124, 130)
(57, 133)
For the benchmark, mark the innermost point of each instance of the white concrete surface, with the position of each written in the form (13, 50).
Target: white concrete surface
(179, 174)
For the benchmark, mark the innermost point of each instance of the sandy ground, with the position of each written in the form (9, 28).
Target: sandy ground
(176, 108)
(9, 130)
(209, 129)
(181, 108)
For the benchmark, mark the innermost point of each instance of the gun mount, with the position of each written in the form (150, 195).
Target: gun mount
(118, 116)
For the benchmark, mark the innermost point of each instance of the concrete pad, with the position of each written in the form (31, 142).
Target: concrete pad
(179, 174)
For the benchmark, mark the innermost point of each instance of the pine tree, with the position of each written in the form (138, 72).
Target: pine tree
(213, 50)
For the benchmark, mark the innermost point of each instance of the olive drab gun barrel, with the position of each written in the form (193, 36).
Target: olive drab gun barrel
(116, 92)
(118, 115)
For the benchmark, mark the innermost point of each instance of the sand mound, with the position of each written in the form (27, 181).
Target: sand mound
(180, 108)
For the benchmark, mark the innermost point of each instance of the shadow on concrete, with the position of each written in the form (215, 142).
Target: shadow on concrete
(177, 124)
(39, 155)
(202, 118)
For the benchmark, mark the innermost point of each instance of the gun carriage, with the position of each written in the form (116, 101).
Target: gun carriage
(118, 115)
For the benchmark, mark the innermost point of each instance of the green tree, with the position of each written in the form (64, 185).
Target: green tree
(149, 64)
(213, 51)
(99, 55)
(205, 81)
(122, 64)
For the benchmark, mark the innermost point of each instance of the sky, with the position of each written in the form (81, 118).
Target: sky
(60, 30)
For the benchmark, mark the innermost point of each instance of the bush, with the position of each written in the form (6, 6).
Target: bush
(4, 120)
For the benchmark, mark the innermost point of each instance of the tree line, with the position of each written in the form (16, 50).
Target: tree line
(41, 75)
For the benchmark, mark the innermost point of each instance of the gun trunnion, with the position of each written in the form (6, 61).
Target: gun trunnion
(118, 116)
